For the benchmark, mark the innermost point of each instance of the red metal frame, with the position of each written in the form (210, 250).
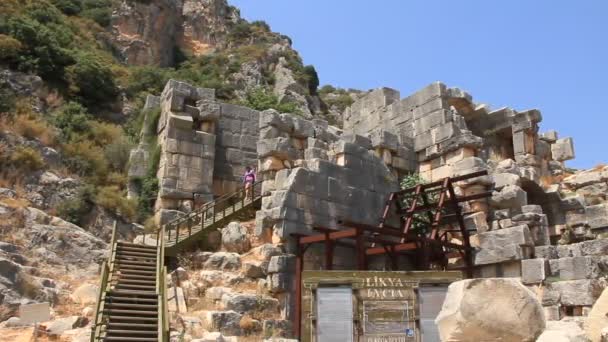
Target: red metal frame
(430, 246)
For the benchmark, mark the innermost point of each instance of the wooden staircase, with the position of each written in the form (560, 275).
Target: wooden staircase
(132, 303)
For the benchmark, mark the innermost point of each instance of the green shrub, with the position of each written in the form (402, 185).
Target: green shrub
(91, 80)
(86, 159)
(69, 7)
(73, 120)
(42, 51)
(43, 12)
(421, 222)
(9, 48)
(26, 159)
(103, 133)
(239, 32)
(75, 209)
(99, 11)
(7, 99)
(312, 79)
(261, 99)
(117, 154)
(111, 198)
(148, 191)
(261, 24)
(147, 79)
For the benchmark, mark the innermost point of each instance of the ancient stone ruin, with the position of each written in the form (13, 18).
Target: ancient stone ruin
(544, 223)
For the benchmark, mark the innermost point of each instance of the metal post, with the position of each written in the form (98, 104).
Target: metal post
(329, 252)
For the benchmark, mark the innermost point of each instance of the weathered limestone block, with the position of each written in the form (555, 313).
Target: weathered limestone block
(503, 245)
(302, 128)
(271, 163)
(594, 247)
(503, 179)
(597, 216)
(578, 292)
(584, 178)
(469, 312)
(552, 313)
(546, 252)
(534, 270)
(511, 196)
(580, 267)
(597, 318)
(563, 149)
(477, 221)
(235, 239)
(278, 147)
(282, 263)
(549, 136)
(384, 139)
(226, 322)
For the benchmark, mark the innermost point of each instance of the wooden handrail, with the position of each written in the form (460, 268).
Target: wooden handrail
(106, 270)
(201, 214)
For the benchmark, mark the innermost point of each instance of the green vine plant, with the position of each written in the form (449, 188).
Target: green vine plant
(421, 222)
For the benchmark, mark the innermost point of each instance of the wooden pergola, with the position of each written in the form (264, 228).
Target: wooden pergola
(433, 206)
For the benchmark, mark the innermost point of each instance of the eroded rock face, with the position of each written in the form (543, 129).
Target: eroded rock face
(150, 32)
(470, 313)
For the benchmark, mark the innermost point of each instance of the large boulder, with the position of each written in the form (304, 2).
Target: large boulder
(85, 294)
(562, 331)
(598, 318)
(234, 238)
(493, 309)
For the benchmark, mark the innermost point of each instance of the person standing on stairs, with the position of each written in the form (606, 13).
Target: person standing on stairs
(248, 180)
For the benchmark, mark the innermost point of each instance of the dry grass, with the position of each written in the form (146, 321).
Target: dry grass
(34, 128)
(248, 324)
(27, 123)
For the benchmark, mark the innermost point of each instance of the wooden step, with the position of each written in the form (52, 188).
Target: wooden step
(132, 306)
(115, 318)
(122, 252)
(134, 281)
(115, 299)
(132, 325)
(130, 312)
(153, 332)
(137, 248)
(134, 276)
(134, 264)
(135, 287)
(127, 339)
(135, 271)
(130, 299)
(125, 254)
(136, 245)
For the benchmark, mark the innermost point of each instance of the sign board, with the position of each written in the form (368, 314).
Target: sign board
(372, 306)
(335, 314)
(35, 313)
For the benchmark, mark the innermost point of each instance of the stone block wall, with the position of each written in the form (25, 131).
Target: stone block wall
(237, 136)
(314, 176)
(568, 279)
(187, 139)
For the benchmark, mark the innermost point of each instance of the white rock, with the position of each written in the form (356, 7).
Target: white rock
(85, 294)
(562, 331)
(597, 318)
(493, 309)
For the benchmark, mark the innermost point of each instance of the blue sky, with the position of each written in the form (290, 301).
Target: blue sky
(550, 55)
